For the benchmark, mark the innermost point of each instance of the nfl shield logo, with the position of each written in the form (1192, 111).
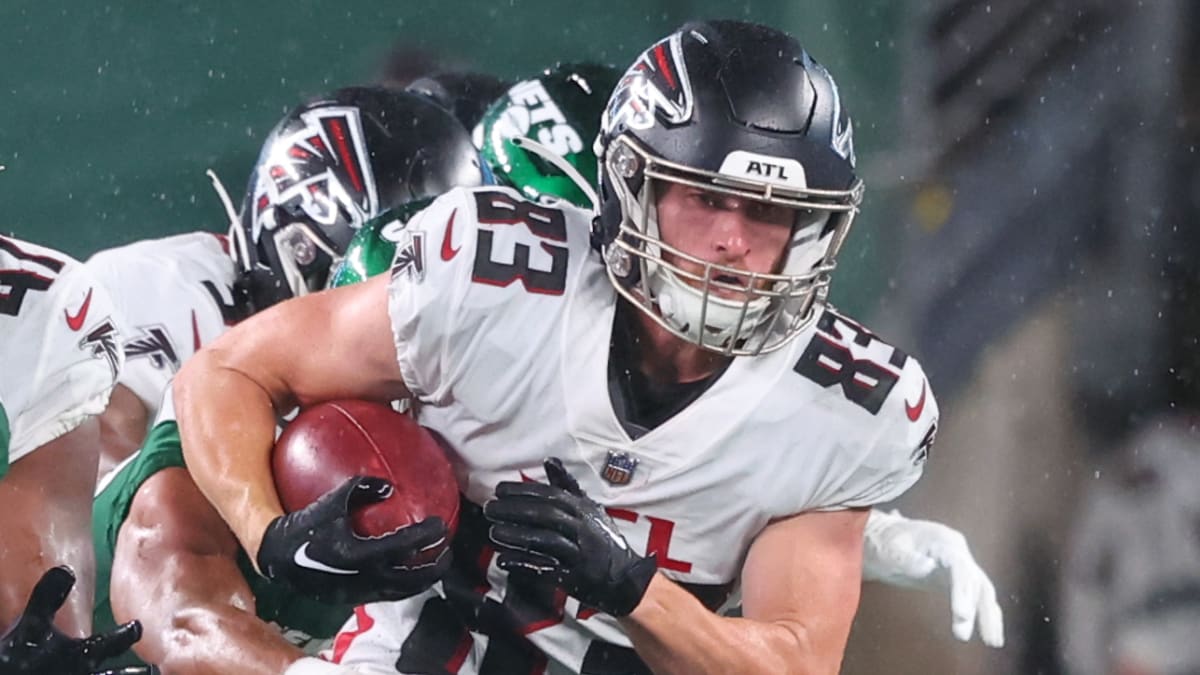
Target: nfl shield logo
(618, 468)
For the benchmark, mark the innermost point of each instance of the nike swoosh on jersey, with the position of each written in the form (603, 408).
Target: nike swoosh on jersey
(914, 410)
(301, 559)
(76, 322)
(449, 252)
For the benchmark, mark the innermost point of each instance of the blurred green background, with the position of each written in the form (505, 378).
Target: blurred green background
(113, 110)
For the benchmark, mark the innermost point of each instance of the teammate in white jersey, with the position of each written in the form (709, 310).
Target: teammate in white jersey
(687, 375)
(327, 167)
(59, 357)
(173, 295)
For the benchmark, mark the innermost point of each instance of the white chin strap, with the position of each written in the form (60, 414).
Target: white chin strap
(705, 319)
(240, 250)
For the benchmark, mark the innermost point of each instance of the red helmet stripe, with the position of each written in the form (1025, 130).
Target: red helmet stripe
(339, 136)
(664, 66)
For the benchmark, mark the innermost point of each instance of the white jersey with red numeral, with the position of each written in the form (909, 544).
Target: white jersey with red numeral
(502, 316)
(174, 295)
(59, 347)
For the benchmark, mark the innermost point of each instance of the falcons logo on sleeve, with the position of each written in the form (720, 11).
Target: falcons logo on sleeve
(410, 256)
(101, 342)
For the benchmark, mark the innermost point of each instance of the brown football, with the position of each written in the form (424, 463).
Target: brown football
(331, 442)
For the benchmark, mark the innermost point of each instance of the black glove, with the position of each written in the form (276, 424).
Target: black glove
(316, 551)
(557, 531)
(34, 645)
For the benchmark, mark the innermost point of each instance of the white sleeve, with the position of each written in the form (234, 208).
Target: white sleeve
(426, 289)
(894, 460)
(470, 292)
(69, 346)
(170, 295)
(441, 310)
(113, 268)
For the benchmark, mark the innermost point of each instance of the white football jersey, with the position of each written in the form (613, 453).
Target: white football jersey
(59, 347)
(502, 316)
(174, 295)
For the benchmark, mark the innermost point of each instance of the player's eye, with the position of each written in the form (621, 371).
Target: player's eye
(706, 199)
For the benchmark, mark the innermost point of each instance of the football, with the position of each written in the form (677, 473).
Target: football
(331, 442)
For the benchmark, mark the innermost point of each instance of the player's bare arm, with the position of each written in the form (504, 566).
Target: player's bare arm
(800, 588)
(175, 567)
(330, 345)
(45, 508)
(334, 344)
(122, 428)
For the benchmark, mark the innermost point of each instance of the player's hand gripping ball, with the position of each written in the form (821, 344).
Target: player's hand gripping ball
(332, 442)
(372, 504)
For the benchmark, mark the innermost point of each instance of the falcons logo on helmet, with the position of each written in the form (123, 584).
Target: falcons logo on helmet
(656, 85)
(322, 169)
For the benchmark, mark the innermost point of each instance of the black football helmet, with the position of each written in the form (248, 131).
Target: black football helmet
(465, 94)
(329, 166)
(740, 109)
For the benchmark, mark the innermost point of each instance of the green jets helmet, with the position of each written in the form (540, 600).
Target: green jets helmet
(559, 110)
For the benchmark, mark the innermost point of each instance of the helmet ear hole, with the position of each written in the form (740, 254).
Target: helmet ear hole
(294, 243)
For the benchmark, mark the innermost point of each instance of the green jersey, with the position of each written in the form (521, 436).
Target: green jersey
(303, 622)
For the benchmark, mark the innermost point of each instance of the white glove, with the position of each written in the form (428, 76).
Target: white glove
(930, 556)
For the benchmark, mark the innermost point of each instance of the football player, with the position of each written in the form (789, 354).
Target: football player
(645, 410)
(59, 357)
(538, 138)
(326, 167)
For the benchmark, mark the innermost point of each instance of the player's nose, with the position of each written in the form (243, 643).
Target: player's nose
(731, 240)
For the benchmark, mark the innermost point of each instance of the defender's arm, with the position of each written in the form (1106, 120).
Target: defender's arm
(175, 568)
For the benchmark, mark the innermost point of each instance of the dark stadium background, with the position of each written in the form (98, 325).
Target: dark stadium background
(113, 110)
